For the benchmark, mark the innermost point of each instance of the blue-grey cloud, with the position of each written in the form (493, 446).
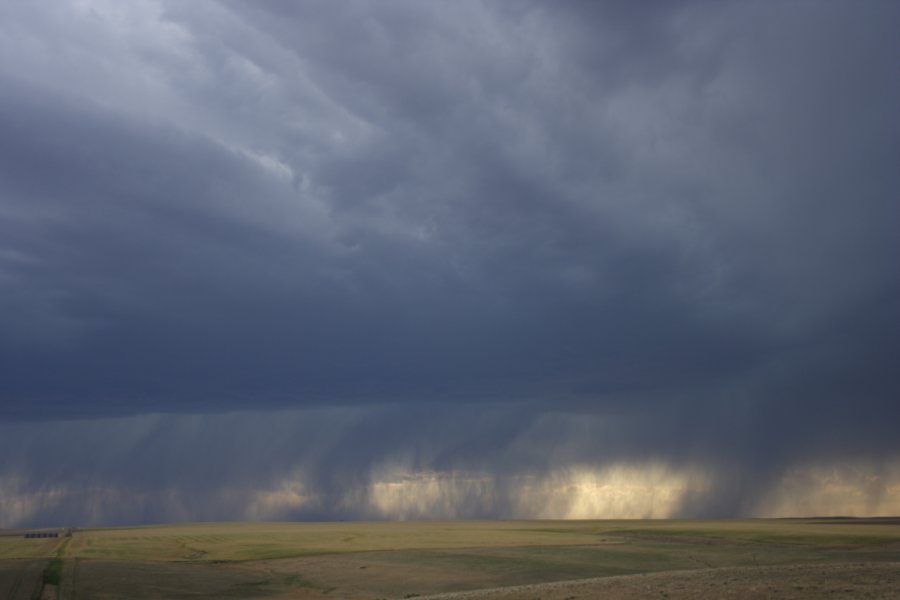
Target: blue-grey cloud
(679, 215)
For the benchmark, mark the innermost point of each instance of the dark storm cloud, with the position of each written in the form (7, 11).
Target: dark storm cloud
(402, 461)
(678, 216)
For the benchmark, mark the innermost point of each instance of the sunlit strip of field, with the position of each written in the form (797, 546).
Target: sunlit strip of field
(257, 541)
(19, 547)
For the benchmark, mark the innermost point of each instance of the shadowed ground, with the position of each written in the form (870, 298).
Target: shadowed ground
(740, 583)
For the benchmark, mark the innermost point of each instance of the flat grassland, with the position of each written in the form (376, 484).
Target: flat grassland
(785, 558)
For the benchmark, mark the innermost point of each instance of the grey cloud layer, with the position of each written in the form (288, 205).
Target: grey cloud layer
(594, 208)
(438, 461)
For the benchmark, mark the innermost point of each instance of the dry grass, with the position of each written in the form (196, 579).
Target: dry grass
(20, 547)
(396, 560)
(259, 541)
(797, 582)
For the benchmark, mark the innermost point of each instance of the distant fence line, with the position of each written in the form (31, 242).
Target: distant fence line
(42, 534)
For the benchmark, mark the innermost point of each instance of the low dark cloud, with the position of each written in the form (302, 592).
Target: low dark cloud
(432, 230)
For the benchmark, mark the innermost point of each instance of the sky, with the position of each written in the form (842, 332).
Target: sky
(432, 260)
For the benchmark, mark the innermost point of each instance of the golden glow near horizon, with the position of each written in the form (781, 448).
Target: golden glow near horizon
(430, 494)
(649, 491)
(291, 495)
(629, 491)
(18, 504)
(846, 489)
(622, 491)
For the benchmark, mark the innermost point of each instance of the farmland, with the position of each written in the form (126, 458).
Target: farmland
(477, 559)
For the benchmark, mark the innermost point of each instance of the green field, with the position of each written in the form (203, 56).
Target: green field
(396, 560)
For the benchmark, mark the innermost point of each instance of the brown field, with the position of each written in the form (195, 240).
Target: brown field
(463, 559)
